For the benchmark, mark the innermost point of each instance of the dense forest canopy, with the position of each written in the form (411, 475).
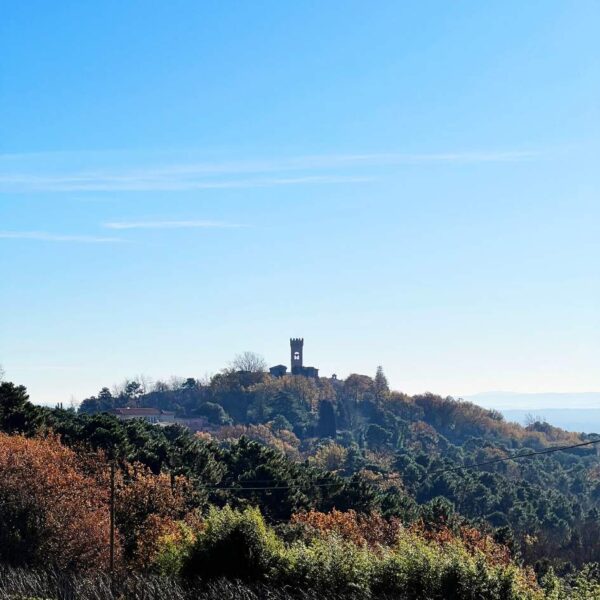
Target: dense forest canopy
(294, 446)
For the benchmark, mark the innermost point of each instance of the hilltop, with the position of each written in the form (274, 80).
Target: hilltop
(360, 426)
(293, 445)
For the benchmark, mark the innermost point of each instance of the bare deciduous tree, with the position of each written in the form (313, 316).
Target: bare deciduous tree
(250, 362)
(531, 419)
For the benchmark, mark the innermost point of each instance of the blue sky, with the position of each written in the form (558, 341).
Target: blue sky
(406, 184)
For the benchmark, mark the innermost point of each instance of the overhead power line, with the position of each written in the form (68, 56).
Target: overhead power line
(256, 487)
(507, 458)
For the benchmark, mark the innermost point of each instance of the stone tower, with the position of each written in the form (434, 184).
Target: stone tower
(296, 345)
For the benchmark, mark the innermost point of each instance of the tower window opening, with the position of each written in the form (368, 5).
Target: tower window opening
(296, 355)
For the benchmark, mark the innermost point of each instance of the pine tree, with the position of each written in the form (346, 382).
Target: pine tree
(327, 424)
(382, 389)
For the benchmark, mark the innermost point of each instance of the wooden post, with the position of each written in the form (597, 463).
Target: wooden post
(112, 518)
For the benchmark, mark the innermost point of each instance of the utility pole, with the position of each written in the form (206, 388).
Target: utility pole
(112, 518)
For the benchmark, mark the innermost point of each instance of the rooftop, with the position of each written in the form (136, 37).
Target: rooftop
(140, 412)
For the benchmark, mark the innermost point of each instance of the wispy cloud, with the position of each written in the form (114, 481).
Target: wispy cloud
(43, 236)
(45, 367)
(153, 182)
(171, 225)
(189, 176)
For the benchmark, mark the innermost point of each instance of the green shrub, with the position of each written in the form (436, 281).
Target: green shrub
(239, 545)
(418, 569)
(329, 566)
(235, 545)
(584, 585)
(173, 551)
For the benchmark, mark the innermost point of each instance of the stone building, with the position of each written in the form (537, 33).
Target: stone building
(296, 362)
(151, 415)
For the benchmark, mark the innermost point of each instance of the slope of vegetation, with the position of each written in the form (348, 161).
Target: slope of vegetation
(546, 505)
(325, 486)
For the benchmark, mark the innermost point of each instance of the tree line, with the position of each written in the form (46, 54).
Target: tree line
(292, 446)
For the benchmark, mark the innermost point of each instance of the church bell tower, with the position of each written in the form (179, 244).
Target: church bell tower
(296, 346)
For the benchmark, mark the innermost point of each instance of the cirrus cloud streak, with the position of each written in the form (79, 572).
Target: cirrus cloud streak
(172, 225)
(190, 175)
(43, 236)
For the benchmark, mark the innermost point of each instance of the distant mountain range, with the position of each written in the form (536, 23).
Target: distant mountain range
(574, 412)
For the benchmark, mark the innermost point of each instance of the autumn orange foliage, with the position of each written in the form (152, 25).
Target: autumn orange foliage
(374, 531)
(148, 507)
(70, 505)
(370, 531)
(156, 531)
(472, 539)
(284, 441)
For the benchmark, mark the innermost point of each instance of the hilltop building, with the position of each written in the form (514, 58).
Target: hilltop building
(150, 415)
(297, 362)
(163, 418)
